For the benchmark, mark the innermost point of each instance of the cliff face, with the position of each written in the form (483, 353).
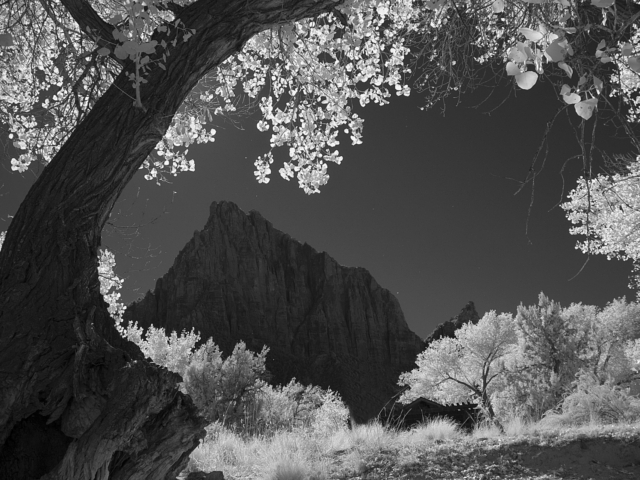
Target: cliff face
(333, 326)
(448, 328)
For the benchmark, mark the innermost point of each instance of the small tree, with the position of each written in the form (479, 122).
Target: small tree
(223, 388)
(453, 369)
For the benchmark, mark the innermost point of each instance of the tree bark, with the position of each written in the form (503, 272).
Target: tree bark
(76, 400)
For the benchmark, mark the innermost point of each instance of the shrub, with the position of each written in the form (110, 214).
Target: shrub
(437, 429)
(593, 402)
(294, 407)
(224, 389)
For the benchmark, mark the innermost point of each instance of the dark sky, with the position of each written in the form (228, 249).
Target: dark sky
(423, 205)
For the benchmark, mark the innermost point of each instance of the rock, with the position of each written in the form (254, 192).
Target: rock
(448, 328)
(325, 324)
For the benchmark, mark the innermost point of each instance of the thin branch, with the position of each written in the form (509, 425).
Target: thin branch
(92, 24)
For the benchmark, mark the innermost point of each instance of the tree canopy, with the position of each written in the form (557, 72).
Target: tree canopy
(97, 89)
(304, 76)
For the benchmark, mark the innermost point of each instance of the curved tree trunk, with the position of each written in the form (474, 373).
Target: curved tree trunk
(76, 400)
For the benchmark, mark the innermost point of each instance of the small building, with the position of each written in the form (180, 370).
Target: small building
(423, 409)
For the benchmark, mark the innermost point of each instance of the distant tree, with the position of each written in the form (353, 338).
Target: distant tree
(453, 369)
(613, 330)
(97, 89)
(550, 351)
(223, 389)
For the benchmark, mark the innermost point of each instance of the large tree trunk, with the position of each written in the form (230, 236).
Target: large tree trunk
(76, 400)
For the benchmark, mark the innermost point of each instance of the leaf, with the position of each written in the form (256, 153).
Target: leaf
(627, 50)
(586, 107)
(602, 3)
(571, 98)
(566, 68)
(601, 45)
(555, 52)
(582, 81)
(513, 69)
(104, 52)
(517, 54)
(498, 6)
(148, 47)
(161, 65)
(565, 89)
(526, 80)
(598, 84)
(634, 64)
(6, 40)
(120, 52)
(530, 34)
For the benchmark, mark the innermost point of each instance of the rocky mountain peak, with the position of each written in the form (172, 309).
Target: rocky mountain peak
(242, 279)
(448, 328)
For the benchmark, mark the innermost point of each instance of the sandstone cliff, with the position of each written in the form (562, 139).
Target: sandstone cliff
(333, 326)
(448, 328)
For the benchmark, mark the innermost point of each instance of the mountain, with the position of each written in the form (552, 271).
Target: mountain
(448, 328)
(326, 324)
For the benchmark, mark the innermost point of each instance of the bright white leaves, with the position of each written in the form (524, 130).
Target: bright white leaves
(606, 210)
(567, 96)
(533, 35)
(304, 77)
(585, 108)
(521, 55)
(451, 369)
(315, 69)
(110, 283)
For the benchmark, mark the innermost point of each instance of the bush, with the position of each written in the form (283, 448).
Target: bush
(295, 407)
(223, 390)
(593, 402)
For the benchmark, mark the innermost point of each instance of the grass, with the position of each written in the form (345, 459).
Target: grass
(375, 451)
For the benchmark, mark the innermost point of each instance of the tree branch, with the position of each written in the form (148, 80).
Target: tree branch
(92, 24)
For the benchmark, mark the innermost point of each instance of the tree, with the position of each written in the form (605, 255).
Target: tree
(97, 89)
(606, 210)
(453, 369)
(550, 351)
(223, 388)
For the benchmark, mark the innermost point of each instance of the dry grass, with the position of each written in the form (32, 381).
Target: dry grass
(373, 451)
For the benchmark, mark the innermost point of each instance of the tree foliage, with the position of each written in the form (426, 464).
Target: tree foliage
(304, 76)
(222, 388)
(469, 365)
(530, 364)
(555, 345)
(606, 211)
(296, 407)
